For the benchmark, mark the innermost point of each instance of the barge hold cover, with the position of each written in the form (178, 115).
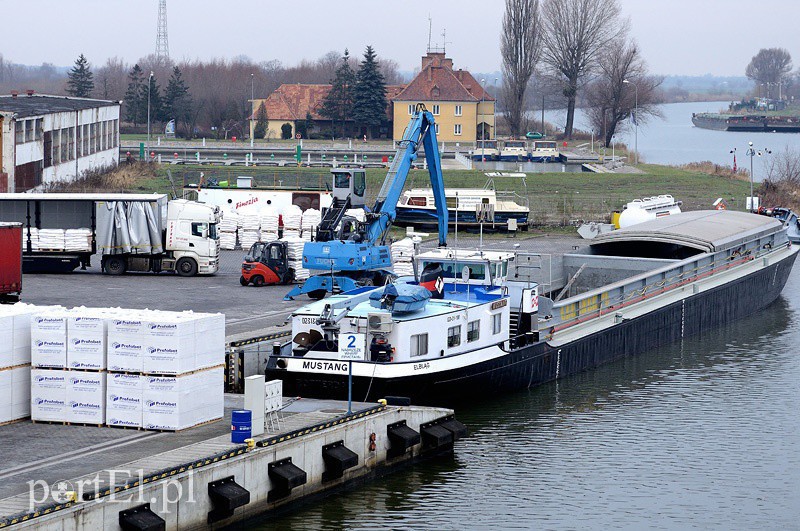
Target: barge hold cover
(706, 230)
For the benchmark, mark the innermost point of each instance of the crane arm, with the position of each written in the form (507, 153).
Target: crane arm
(421, 130)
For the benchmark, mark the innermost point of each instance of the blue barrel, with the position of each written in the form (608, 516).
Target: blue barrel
(241, 425)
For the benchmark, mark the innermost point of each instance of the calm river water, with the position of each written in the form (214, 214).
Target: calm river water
(701, 434)
(674, 140)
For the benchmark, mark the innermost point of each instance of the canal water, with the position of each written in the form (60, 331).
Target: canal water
(674, 140)
(700, 434)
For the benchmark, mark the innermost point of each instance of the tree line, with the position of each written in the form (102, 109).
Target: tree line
(206, 98)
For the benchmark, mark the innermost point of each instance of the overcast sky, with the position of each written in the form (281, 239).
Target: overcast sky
(689, 37)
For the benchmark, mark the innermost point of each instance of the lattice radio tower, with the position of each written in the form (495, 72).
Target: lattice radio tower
(162, 40)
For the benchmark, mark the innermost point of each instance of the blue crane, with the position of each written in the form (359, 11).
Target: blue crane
(347, 253)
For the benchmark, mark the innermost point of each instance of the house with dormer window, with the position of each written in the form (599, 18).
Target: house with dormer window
(463, 110)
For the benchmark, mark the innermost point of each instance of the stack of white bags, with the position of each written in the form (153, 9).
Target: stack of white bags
(403, 257)
(227, 230)
(250, 230)
(15, 361)
(136, 368)
(311, 219)
(51, 239)
(78, 240)
(34, 234)
(270, 219)
(292, 221)
(294, 251)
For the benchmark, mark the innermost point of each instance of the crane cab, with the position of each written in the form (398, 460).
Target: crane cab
(350, 183)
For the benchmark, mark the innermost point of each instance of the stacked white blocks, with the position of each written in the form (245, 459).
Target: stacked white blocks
(15, 359)
(310, 221)
(173, 369)
(132, 368)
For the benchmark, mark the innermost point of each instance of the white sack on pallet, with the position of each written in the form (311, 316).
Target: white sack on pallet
(292, 217)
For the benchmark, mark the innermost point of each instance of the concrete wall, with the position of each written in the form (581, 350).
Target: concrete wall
(250, 471)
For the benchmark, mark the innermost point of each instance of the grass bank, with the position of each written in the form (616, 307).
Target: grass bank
(554, 198)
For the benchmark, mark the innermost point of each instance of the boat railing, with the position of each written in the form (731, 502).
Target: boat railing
(614, 297)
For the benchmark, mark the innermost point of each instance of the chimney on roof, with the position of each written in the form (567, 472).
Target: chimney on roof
(430, 73)
(30, 92)
(460, 75)
(14, 93)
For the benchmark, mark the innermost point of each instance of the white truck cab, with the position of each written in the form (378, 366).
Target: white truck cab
(192, 238)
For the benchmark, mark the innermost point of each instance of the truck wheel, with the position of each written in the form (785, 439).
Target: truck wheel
(115, 265)
(317, 294)
(243, 281)
(186, 267)
(258, 281)
(288, 278)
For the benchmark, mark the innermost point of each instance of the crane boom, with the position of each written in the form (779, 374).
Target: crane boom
(421, 131)
(345, 258)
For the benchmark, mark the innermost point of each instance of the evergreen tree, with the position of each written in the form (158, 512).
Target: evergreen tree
(338, 104)
(135, 96)
(80, 80)
(369, 94)
(177, 100)
(156, 103)
(262, 122)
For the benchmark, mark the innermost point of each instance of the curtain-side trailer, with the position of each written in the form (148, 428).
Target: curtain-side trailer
(10, 261)
(129, 232)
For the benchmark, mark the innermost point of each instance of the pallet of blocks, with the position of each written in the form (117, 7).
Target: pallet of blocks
(15, 361)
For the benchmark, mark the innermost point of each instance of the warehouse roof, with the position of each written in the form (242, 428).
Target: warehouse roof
(706, 230)
(40, 104)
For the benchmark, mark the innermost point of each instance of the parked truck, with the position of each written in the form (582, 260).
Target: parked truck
(10, 262)
(129, 232)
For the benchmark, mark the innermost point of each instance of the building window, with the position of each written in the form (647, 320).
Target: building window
(497, 323)
(410, 109)
(29, 130)
(458, 110)
(436, 109)
(454, 336)
(19, 132)
(419, 345)
(79, 141)
(436, 126)
(473, 330)
(56, 147)
(39, 128)
(456, 129)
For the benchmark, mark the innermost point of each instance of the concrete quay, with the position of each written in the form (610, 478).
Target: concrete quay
(73, 477)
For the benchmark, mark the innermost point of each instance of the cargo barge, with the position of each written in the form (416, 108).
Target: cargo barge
(747, 122)
(493, 330)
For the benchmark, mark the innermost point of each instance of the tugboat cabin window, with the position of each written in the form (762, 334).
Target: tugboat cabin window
(497, 323)
(476, 271)
(419, 345)
(473, 330)
(454, 336)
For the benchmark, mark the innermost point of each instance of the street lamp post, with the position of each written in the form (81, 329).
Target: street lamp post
(149, 84)
(752, 152)
(635, 116)
(252, 106)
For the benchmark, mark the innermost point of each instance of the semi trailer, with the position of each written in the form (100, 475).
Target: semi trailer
(127, 232)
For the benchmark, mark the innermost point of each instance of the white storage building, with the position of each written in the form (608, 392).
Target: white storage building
(55, 138)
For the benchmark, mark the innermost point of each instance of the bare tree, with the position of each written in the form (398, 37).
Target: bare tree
(622, 83)
(770, 66)
(574, 33)
(520, 47)
(391, 71)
